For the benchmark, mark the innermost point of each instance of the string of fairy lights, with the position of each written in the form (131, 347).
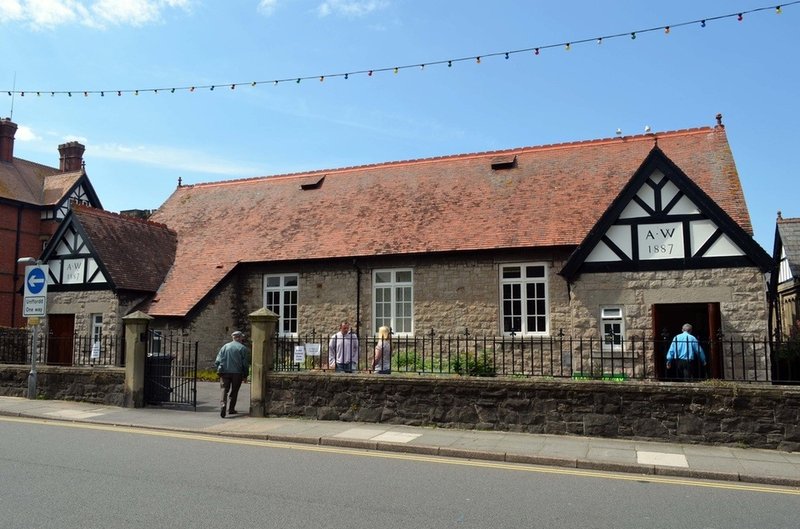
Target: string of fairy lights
(739, 16)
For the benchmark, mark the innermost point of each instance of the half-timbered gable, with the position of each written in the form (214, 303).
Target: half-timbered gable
(61, 191)
(662, 220)
(72, 260)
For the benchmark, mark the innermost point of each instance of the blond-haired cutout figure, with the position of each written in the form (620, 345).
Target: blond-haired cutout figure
(382, 363)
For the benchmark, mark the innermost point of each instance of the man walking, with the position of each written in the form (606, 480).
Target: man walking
(233, 365)
(684, 350)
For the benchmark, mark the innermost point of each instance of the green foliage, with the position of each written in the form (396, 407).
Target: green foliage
(474, 366)
(207, 375)
(412, 361)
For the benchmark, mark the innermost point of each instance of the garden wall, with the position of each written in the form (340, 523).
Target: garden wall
(760, 416)
(104, 385)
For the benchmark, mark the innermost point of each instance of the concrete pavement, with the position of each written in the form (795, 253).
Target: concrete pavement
(641, 457)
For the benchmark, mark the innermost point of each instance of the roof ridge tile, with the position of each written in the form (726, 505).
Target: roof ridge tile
(649, 136)
(102, 212)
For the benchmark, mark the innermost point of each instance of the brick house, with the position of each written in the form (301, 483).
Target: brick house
(34, 198)
(627, 236)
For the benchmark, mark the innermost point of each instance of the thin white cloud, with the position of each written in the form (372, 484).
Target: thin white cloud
(25, 134)
(48, 14)
(350, 8)
(172, 158)
(80, 139)
(267, 7)
(135, 12)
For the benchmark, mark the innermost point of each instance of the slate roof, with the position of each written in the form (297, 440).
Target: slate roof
(33, 183)
(546, 196)
(135, 253)
(789, 231)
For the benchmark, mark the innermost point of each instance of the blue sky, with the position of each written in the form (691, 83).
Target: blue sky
(138, 146)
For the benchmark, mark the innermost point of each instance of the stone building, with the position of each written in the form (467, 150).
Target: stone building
(102, 267)
(622, 237)
(34, 198)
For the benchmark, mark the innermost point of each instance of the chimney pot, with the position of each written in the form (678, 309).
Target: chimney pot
(71, 156)
(7, 131)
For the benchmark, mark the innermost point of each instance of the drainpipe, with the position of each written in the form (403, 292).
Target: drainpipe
(358, 298)
(16, 269)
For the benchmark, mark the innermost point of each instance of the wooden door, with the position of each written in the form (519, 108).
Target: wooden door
(60, 339)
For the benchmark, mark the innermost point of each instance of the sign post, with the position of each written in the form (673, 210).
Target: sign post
(35, 306)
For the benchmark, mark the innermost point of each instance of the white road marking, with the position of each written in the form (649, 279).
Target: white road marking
(661, 459)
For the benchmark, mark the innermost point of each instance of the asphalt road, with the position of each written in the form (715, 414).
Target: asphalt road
(63, 475)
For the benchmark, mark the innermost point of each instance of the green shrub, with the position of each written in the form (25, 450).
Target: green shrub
(480, 366)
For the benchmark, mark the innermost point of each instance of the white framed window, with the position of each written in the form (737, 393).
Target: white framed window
(393, 300)
(523, 291)
(96, 322)
(612, 328)
(155, 343)
(280, 296)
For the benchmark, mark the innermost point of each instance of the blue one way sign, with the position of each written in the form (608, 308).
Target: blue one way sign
(35, 280)
(35, 300)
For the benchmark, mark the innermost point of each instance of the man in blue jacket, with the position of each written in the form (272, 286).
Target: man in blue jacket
(233, 365)
(684, 350)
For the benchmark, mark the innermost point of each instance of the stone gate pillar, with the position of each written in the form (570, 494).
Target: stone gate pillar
(135, 351)
(263, 323)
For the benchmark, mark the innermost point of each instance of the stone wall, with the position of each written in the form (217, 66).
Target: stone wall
(739, 291)
(722, 413)
(84, 303)
(104, 385)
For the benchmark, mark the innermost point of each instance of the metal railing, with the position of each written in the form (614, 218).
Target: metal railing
(746, 359)
(16, 347)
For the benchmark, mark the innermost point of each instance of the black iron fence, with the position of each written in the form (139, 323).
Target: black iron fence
(17, 345)
(728, 358)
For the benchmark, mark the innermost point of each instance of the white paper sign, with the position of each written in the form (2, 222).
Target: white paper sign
(95, 350)
(313, 349)
(299, 354)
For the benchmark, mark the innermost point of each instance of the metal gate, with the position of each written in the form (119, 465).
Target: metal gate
(170, 370)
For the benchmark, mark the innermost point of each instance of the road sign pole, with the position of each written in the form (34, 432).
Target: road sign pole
(34, 305)
(32, 374)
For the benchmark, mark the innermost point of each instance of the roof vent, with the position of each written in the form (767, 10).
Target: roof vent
(507, 162)
(316, 184)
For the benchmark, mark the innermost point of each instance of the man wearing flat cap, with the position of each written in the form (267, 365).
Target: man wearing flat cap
(232, 364)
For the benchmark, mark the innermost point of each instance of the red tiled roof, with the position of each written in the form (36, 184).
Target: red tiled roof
(34, 183)
(552, 197)
(57, 186)
(136, 253)
(23, 181)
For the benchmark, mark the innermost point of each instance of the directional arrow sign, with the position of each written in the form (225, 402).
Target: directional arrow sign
(35, 300)
(35, 280)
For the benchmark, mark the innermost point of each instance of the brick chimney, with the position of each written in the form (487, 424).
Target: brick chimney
(71, 156)
(7, 130)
